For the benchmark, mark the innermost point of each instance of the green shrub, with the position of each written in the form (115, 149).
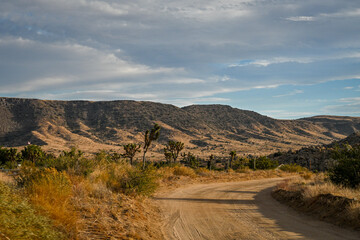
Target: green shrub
(346, 172)
(33, 153)
(292, 168)
(240, 163)
(104, 157)
(190, 160)
(9, 157)
(19, 220)
(263, 163)
(130, 180)
(71, 161)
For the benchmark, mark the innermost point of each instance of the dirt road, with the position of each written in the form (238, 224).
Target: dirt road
(242, 210)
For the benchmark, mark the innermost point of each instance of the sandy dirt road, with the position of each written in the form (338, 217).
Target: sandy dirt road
(241, 210)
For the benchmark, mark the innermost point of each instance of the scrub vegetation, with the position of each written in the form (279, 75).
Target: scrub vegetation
(108, 194)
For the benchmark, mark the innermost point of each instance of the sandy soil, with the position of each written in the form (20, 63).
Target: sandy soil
(242, 210)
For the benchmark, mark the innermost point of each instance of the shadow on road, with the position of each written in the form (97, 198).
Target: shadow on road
(207, 200)
(233, 191)
(289, 220)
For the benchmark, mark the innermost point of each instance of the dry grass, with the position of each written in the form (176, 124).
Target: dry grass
(19, 219)
(110, 215)
(51, 192)
(4, 177)
(184, 171)
(316, 195)
(112, 202)
(316, 185)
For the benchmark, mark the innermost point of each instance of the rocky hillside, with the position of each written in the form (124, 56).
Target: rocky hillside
(316, 157)
(204, 129)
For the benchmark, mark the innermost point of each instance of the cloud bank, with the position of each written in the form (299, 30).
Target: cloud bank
(178, 52)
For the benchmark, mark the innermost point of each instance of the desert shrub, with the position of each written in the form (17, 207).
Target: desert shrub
(346, 172)
(71, 161)
(104, 157)
(129, 180)
(140, 182)
(190, 160)
(307, 175)
(184, 171)
(78, 166)
(51, 192)
(203, 172)
(292, 168)
(243, 169)
(19, 220)
(33, 153)
(9, 157)
(263, 163)
(240, 163)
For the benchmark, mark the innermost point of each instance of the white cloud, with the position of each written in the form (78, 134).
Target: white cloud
(355, 99)
(283, 114)
(342, 14)
(166, 50)
(301, 19)
(345, 109)
(292, 93)
(349, 106)
(54, 65)
(348, 88)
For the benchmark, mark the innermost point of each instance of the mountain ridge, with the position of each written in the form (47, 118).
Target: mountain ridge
(205, 129)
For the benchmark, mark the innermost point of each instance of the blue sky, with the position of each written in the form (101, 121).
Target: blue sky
(282, 58)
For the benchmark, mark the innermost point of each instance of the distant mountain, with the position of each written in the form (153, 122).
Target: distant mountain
(316, 157)
(205, 129)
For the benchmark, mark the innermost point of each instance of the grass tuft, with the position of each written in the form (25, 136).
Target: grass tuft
(51, 192)
(19, 220)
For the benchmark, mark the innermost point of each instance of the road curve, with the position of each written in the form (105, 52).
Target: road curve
(240, 210)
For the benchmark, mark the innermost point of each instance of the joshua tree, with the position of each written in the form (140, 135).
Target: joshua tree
(172, 150)
(150, 136)
(210, 162)
(130, 150)
(232, 157)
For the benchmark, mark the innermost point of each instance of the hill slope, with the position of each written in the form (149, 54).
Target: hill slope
(205, 129)
(316, 157)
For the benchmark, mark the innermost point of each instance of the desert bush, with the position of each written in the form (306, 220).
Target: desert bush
(203, 172)
(190, 160)
(9, 157)
(263, 163)
(346, 172)
(306, 175)
(103, 157)
(128, 179)
(33, 153)
(73, 162)
(51, 192)
(292, 168)
(184, 171)
(19, 220)
(242, 169)
(240, 163)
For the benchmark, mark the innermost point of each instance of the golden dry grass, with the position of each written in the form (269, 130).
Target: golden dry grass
(317, 195)
(20, 220)
(51, 192)
(95, 206)
(4, 177)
